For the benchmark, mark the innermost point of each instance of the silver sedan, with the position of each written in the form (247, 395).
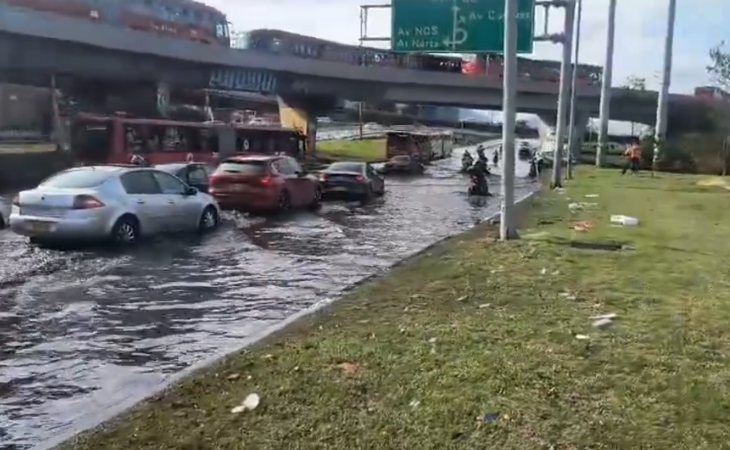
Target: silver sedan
(111, 203)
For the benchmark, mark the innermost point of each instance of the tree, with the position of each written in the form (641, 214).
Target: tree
(719, 71)
(719, 68)
(634, 83)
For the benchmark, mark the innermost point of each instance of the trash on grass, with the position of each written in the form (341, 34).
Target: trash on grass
(489, 417)
(233, 376)
(610, 316)
(591, 196)
(567, 295)
(583, 225)
(414, 403)
(348, 368)
(249, 404)
(626, 221)
(581, 205)
(602, 323)
(582, 337)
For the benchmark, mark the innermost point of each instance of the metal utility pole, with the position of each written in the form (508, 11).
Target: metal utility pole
(507, 228)
(660, 131)
(364, 9)
(563, 94)
(571, 122)
(606, 86)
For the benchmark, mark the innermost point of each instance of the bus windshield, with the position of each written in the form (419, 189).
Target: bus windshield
(91, 141)
(221, 30)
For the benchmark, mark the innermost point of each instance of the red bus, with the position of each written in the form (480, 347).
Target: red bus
(96, 139)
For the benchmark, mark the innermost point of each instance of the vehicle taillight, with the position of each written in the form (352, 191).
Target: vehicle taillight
(322, 176)
(265, 180)
(359, 178)
(16, 201)
(87, 202)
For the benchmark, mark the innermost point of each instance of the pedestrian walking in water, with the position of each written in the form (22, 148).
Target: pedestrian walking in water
(495, 157)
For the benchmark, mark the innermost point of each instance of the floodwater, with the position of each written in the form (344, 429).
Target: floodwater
(83, 331)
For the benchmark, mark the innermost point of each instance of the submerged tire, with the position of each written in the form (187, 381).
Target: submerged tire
(209, 220)
(283, 203)
(125, 231)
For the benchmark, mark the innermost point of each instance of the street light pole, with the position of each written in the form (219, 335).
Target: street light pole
(606, 86)
(660, 131)
(507, 229)
(563, 95)
(571, 122)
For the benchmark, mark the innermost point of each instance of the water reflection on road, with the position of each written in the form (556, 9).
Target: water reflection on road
(83, 331)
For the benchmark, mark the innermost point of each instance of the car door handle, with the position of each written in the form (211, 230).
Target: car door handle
(171, 202)
(140, 202)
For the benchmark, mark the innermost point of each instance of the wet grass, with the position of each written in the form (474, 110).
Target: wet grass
(370, 150)
(473, 344)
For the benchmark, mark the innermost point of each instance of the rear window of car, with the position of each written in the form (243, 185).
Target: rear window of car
(243, 167)
(346, 167)
(79, 178)
(404, 158)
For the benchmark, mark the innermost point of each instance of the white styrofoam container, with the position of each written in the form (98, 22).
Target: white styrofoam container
(626, 221)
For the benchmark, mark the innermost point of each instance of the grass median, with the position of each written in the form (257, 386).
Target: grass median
(480, 344)
(369, 150)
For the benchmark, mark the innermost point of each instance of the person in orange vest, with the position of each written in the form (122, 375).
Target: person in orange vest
(633, 158)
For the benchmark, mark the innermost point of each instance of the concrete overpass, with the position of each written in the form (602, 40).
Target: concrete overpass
(34, 45)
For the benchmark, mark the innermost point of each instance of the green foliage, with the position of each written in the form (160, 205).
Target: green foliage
(635, 83)
(719, 68)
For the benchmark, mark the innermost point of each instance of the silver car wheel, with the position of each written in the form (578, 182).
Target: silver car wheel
(209, 220)
(126, 233)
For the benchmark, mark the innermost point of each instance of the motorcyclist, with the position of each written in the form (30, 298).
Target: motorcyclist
(479, 172)
(480, 154)
(466, 161)
(536, 164)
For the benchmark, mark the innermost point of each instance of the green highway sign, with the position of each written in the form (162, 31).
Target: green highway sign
(458, 26)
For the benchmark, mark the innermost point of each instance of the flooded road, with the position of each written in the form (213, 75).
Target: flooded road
(81, 332)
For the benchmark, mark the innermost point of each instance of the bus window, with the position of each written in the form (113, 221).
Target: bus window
(135, 139)
(191, 139)
(91, 142)
(210, 140)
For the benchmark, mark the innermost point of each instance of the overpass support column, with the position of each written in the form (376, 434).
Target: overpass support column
(300, 113)
(579, 132)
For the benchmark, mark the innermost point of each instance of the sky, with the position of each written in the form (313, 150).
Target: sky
(640, 29)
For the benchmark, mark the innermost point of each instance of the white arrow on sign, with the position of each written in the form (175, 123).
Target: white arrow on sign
(459, 34)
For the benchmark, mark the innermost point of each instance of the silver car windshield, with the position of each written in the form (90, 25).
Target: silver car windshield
(78, 178)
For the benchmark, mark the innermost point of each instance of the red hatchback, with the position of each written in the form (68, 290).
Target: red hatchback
(264, 182)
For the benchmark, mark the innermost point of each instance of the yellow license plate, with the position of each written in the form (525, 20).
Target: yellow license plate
(40, 227)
